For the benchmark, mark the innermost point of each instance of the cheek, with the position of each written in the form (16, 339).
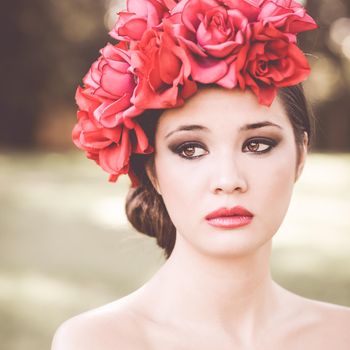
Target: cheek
(180, 188)
(273, 191)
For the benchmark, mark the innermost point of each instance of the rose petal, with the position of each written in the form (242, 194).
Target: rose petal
(115, 158)
(229, 81)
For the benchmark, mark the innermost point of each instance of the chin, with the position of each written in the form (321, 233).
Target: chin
(230, 243)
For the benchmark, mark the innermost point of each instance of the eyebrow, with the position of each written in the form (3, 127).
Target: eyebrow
(203, 128)
(258, 125)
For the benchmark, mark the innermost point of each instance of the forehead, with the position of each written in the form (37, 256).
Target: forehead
(222, 109)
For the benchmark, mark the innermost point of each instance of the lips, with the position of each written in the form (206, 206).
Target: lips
(229, 218)
(224, 212)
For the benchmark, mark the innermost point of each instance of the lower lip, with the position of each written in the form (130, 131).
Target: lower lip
(230, 221)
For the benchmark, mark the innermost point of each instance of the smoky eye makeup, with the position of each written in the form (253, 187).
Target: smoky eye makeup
(193, 148)
(265, 136)
(259, 145)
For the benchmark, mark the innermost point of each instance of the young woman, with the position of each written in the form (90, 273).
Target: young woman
(213, 165)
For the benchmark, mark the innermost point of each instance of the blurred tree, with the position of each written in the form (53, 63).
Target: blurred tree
(329, 84)
(49, 47)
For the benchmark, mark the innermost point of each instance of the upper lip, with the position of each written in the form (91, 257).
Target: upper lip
(235, 211)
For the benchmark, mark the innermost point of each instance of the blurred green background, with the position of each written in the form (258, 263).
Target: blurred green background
(65, 244)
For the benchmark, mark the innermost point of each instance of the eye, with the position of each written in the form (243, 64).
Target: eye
(191, 150)
(255, 145)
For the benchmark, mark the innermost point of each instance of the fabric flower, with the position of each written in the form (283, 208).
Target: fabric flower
(111, 83)
(214, 35)
(170, 4)
(163, 69)
(140, 16)
(271, 62)
(110, 147)
(288, 16)
(249, 8)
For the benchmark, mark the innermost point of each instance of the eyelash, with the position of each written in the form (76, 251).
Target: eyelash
(269, 142)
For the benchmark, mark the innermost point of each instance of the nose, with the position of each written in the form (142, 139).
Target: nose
(228, 176)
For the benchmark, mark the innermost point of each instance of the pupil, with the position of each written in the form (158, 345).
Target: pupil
(254, 145)
(189, 151)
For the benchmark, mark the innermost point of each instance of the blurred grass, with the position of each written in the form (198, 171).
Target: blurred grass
(65, 244)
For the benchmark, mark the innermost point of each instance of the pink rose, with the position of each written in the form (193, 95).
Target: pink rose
(109, 147)
(110, 84)
(214, 35)
(288, 16)
(140, 16)
(249, 8)
(272, 61)
(170, 4)
(163, 71)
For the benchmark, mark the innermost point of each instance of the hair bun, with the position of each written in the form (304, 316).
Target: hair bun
(147, 213)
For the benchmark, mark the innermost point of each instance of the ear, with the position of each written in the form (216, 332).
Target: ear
(151, 173)
(303, 154)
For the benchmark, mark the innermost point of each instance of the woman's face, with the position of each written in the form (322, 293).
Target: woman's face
(212, 153)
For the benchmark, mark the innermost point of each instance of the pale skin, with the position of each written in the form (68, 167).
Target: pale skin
(216, 290)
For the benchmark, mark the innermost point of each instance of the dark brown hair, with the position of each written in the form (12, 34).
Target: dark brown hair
(145, 208)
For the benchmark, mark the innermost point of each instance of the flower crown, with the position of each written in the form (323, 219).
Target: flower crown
(165, 48)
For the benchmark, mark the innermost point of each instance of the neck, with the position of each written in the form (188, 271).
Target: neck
(226, 293)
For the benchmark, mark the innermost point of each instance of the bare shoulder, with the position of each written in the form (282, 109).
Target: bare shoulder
(111, 326)
(338, 314)
(325, 325)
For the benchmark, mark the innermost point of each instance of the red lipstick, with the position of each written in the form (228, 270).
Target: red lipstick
(229, 217)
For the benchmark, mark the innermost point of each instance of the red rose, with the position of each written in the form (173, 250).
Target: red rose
(163, 70)
(140, 16)
(214, 35)
(109, 147)
(272, 61)
(110, 84)
(288, 16)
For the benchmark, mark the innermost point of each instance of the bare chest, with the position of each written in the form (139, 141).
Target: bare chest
(206, 343)
(312, 338)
